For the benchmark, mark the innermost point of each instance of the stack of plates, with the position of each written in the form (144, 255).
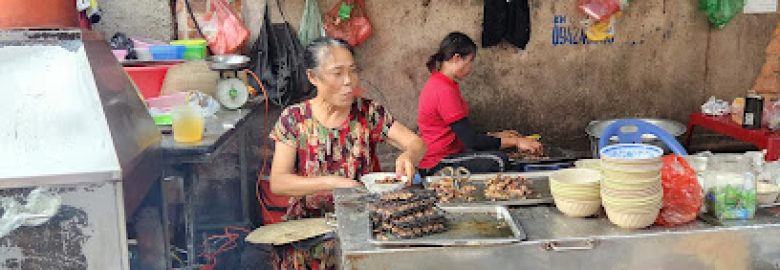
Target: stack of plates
(631, 189)
(576, 191)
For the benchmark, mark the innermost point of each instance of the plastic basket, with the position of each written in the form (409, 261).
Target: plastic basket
(194, 49)
(167, 52)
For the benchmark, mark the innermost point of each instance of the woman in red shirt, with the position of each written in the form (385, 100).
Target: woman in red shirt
(443, 121)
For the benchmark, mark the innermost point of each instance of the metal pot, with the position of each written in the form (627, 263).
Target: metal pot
(595, 128)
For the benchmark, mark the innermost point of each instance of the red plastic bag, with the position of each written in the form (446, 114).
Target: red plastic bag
(228, 32)
(599, 10)
(682, 193)
(348, 20)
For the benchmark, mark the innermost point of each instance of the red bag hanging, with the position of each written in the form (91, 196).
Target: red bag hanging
(348, 20)
(682, 193)
(229, 33)
(599, 10)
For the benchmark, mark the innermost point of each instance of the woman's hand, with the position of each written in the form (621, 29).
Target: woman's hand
(413, 150)
(404, 166)
(528, 145)
(505, 134)
(341, 182)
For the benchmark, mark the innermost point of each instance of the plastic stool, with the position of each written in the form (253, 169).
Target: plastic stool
(635, 135)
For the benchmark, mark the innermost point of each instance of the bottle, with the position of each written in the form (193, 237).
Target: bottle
(754, 109)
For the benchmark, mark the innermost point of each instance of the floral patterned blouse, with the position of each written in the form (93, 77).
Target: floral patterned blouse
(322, 151)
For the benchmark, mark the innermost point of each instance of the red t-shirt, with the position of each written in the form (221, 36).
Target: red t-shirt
(440, 105)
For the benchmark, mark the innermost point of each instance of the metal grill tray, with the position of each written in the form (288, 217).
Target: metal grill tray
(540, 186)
(468, 226)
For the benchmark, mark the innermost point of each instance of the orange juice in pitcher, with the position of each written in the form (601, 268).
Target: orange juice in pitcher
(187, 124)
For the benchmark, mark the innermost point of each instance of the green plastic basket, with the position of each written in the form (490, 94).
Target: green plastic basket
(194, 49)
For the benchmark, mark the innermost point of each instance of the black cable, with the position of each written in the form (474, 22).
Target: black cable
(197, 25)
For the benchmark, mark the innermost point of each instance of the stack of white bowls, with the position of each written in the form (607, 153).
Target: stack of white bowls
(631, 189)
(576, 191)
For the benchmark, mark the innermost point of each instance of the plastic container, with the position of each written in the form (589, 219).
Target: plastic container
(143, 54)
(167, 52)
(148, 79)
(119, 54)
(194, 49)
(730, 187)
(168, 102)
(188, 124)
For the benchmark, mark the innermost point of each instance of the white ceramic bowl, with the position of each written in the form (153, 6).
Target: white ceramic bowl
(369, 180)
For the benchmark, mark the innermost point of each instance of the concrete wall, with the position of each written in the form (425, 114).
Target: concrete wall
(139, 18)
(665, 61)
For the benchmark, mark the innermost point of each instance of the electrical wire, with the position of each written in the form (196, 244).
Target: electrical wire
(197, 25)
(228, 245)
(264, 136)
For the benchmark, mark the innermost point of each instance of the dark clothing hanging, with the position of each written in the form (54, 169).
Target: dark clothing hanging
(506, 19)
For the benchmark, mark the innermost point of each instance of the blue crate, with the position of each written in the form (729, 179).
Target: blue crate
(167, 52)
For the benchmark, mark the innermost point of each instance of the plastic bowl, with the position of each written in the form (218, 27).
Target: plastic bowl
(575, 208)
(628, 220)
(630, 176)
(369, 180)
(588, 164)
(631, 151)
(576, 177)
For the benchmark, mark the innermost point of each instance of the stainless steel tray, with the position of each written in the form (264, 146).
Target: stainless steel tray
(540, 185)
(468, 226)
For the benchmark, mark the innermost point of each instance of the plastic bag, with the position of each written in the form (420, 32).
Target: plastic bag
(720, 12)
(600, 31)
(225, 33)
(772, 115)
(311, 23)
(682, 193)
(715, 107)
(599, 10)
(348, 20)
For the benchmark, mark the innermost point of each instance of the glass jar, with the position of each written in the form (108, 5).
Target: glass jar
(730, 186)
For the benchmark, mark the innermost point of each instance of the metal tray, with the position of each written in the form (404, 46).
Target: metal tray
(540, 186)
(555, 158)
(468, 226)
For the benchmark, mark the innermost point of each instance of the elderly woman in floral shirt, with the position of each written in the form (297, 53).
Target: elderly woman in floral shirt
(327, 142)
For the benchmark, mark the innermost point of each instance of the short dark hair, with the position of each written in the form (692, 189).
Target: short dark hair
(312, 56)
(454, 43)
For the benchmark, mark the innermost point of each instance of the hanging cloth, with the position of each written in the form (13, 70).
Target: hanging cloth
(311, 23)
(508, 20)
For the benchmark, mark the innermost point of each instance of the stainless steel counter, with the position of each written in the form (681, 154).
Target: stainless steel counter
(555, 241)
